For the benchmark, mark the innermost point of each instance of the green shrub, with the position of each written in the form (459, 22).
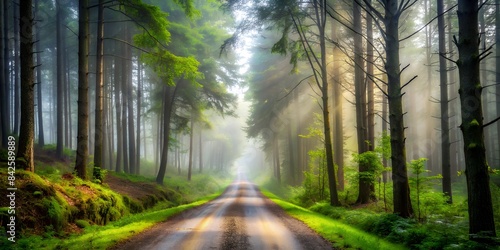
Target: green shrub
(326, 209)
(82, 223)
(391, 226)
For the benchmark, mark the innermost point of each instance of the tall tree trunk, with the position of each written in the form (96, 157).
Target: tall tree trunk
(370, 120)
(497, 72)
(201, 149)
(338, 126)
(17, 66)
(70, 120)
(82, 150)
(15, 69)
(66, 85)
(476, 167)
(167, 114)
(321, 23)
(139, 100)
(190, 160)
(277, 163)
(61, 75)
(130, 107)
(118, 117)
(430, 125)
(124, 101)
(360, 94)
(455, 133)
(4, 79)
(99, 89)
(39, 105)
(445, 127)
(25, 157)
(401, 189)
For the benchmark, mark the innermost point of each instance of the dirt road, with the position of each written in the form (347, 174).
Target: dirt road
(241, 218)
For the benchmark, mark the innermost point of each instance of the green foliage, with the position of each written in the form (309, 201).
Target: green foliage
(82, 223)
(342, 234)
(98, 175)
(373, 164)
(423, 193)
(315, 184)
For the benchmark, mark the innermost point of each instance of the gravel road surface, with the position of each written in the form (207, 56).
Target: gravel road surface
(241, 218)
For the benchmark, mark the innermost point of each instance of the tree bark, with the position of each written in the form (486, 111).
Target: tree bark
(167, 114)
(476, 168)
(99, 89)
(17, 65)
(39, 105)
(401, 189)
(360, 96)
(139, 100)
(25, 157)
(337, 123)
(3, 79)
(445, 127)
(190, 160)
(118, 117)
(201, 149)
(61, 75)
(130, 107)
(497, 71)
(321, 23)
(82, 150)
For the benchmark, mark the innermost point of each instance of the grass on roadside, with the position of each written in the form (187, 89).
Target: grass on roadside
(341, 235)
(102, 237)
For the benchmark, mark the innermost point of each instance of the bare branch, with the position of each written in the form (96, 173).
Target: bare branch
(491, 122)
(430, 21)
(307, 77)
(411, 80)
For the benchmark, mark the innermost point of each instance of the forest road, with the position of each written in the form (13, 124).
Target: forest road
(241, 218)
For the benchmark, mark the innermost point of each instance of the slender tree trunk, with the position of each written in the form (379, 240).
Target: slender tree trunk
(130, 107)
(430, 125)
(445, 127)
(201, 149)
(70, 120)
(481, 218)
(25, 157)
(61, 75)
(139, 100)
(167, 114)
(4, 78)
(338, 126)
(65, 97)
(82, 151)
(118, 117)
(360, 93)
(497, 71)
(17, 66)
(190, 160)
(370, 84)
(39, 105)
(321, 23)
(401, 189)
(99, 89)
(277, 158)
(124, 101)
